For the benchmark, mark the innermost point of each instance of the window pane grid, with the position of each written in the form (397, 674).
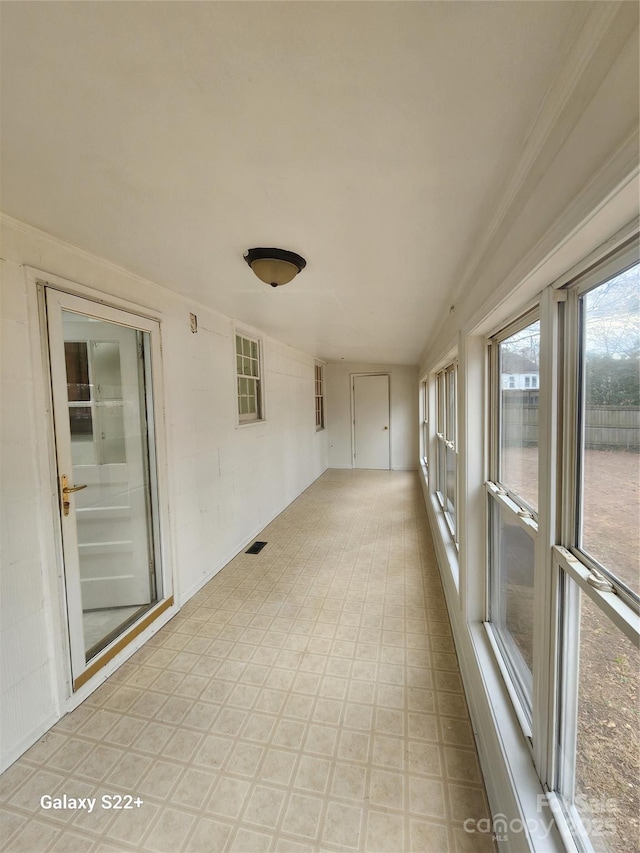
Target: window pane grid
(248, 378)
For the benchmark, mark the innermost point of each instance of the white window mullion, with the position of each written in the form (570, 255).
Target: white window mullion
(560, 768)
(545, 597)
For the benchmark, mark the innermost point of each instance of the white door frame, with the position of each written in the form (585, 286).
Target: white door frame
(68, 694)
(352, 378)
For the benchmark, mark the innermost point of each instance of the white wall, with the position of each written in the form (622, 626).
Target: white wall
(403, 382)
(225, 482)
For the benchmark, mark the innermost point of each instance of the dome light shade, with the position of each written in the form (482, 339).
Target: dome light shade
(275, 266)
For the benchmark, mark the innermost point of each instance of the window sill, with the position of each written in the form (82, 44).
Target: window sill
(518, 707)
(243, 424)
(446, 548)
(507, 764)
(536, 818)
(446, 540)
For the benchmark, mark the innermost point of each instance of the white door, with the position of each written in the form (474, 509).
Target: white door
(100, 361)
(371, 421)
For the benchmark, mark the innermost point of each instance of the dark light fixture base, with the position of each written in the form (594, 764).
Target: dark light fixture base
(275, 266)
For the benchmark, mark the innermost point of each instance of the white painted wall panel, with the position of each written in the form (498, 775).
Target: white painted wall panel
(403, 382)
(225, 482)
(26, 679)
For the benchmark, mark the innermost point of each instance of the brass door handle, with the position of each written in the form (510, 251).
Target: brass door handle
(68, 490)
(386, 427)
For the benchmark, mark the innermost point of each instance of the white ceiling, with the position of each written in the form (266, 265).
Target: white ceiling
(375, 139)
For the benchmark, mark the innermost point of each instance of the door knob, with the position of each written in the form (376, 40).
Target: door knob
(386, 427)
(68, 490)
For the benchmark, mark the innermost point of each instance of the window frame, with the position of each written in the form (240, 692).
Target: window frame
(495, 394)
(424, 423)
(575, 381)
(249, 418)
(519, 678)
(530, 749)
(446, 380)
(318, 375)
(574, 570)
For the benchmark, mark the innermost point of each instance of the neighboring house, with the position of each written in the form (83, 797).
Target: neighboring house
(518, 372)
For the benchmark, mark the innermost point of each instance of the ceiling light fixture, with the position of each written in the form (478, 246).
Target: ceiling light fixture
(275, 266)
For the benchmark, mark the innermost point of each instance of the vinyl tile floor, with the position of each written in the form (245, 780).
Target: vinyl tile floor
(308, 698)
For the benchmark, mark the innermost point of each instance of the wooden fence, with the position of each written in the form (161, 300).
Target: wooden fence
(606, 427)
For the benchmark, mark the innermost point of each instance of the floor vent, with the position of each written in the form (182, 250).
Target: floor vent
(255, 548)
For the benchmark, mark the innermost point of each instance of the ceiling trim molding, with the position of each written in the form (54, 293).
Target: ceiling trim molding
(608, 187)
(546, 122)
(618, 173)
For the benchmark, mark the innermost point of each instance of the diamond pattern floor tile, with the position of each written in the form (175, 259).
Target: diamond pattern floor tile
(308, 698)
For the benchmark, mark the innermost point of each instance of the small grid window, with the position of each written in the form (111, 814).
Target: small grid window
(319, 381)
(249, 380)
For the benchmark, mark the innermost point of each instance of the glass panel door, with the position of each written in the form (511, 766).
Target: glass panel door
(103, 414)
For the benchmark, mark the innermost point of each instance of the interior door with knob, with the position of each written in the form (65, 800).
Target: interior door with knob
(371, 445)
(100, 361)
